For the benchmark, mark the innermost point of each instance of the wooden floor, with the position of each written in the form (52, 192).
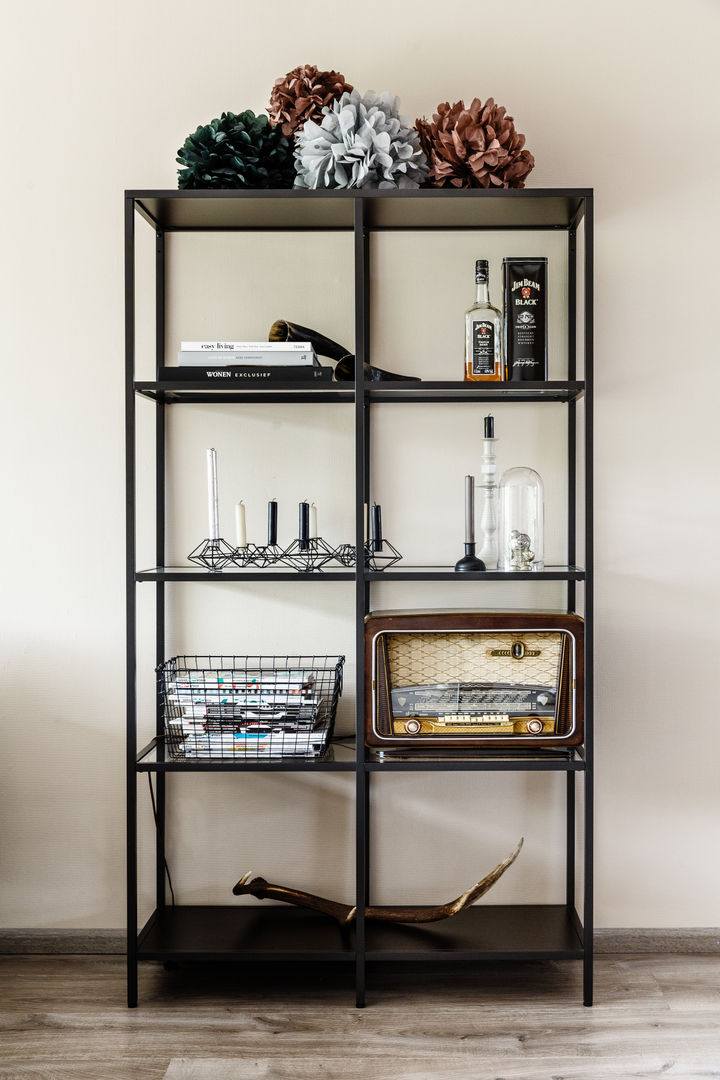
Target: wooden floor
(655, 1016)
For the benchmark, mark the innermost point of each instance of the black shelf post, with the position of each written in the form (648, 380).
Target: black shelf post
(130, 606)
(362, 326)
(588, 897)
(160, 657)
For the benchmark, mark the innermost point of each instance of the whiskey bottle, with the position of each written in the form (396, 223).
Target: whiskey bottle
(483, 334)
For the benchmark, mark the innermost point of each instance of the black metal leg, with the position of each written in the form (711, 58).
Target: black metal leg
(588, 906)
(130, 607)
(570, 841)
(362, 792)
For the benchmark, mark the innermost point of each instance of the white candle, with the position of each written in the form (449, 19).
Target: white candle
(240, 525)
(469, 509)
(213, 513)
(313, 521)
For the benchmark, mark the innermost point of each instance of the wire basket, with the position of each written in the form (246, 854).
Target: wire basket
(249, 707)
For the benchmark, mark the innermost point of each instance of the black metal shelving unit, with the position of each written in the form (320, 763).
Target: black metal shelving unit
(260, 934)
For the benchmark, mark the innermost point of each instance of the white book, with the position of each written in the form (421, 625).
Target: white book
(245, 346)
(256, 357)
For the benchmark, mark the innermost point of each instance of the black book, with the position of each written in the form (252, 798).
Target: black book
(247, 374)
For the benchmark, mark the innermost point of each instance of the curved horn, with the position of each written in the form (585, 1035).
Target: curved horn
(345, 913)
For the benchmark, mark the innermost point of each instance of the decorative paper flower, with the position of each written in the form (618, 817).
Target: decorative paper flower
(236, 151)
(362, 141)
(474, 147)
(302, 94)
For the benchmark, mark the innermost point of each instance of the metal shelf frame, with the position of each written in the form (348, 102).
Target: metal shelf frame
(288, 935)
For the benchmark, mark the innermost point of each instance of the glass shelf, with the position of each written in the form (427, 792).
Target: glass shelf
(448, 573)
(396, 573)
(421, 391)
(339, 757)
(524, 759)
(499, 393)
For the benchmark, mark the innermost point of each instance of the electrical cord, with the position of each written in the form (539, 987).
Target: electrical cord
(155, 819)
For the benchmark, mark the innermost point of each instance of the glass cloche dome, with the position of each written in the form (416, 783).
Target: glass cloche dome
(520, 521)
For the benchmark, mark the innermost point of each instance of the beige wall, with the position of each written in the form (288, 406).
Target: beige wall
(618, 96)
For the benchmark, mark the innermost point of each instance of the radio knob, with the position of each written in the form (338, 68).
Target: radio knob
(412, 727)
(534, 726)
(543, 699)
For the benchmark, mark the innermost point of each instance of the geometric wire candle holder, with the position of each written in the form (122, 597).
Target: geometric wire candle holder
(308, 556)
(266, 555)
(344, 555)
(380, 554)
(213, 554)
(246, 555)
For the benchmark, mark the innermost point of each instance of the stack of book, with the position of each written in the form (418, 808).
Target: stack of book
(246, 714)
(254, 361)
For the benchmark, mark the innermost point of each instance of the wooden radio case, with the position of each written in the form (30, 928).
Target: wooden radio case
(473, 679)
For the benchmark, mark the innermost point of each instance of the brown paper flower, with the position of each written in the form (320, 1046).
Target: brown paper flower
(301, 95)
(474, 147)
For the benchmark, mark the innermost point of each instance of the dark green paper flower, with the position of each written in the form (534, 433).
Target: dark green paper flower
(237, 151)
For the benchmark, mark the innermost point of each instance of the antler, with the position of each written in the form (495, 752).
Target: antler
(344, 913)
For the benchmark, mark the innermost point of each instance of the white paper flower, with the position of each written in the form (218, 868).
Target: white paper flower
(362, 142)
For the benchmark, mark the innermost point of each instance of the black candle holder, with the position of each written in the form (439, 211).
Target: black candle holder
(469, 561)
(308, 556)
(267, 555)
(344, 555)
(213, 554)
(245, 556)
(380, 554)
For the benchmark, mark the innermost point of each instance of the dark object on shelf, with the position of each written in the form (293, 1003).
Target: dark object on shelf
(345, 913)
(309, 555)
(267, 555)
(281, 330)
(249, 707)
(460, 680)
(246, 373)
(213, 554)
(306, 554)
(247, 555)
(344, 554)
(469, 561)
(376, 537)
(525, 315)
(237, 151)
(302, 94)
(474, 147)
(382, 557)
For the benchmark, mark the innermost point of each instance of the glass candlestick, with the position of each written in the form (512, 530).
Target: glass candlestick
(520, 527)
(488, 492)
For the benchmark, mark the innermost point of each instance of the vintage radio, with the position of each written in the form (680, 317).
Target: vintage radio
(468, 679)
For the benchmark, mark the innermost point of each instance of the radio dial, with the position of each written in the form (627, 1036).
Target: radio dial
(534, 726)
(543, 699)
(412, 727)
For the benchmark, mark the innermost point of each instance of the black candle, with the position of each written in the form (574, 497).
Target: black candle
(304, 525)
(489, 427)
(376, 527)
(272, 523)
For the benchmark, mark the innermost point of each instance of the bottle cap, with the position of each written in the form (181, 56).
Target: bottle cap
(489, 427)
(481, 270)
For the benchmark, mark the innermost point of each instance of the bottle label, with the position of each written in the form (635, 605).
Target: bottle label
(483, 348)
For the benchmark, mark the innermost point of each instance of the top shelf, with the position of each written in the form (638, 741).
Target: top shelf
(422, 208)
